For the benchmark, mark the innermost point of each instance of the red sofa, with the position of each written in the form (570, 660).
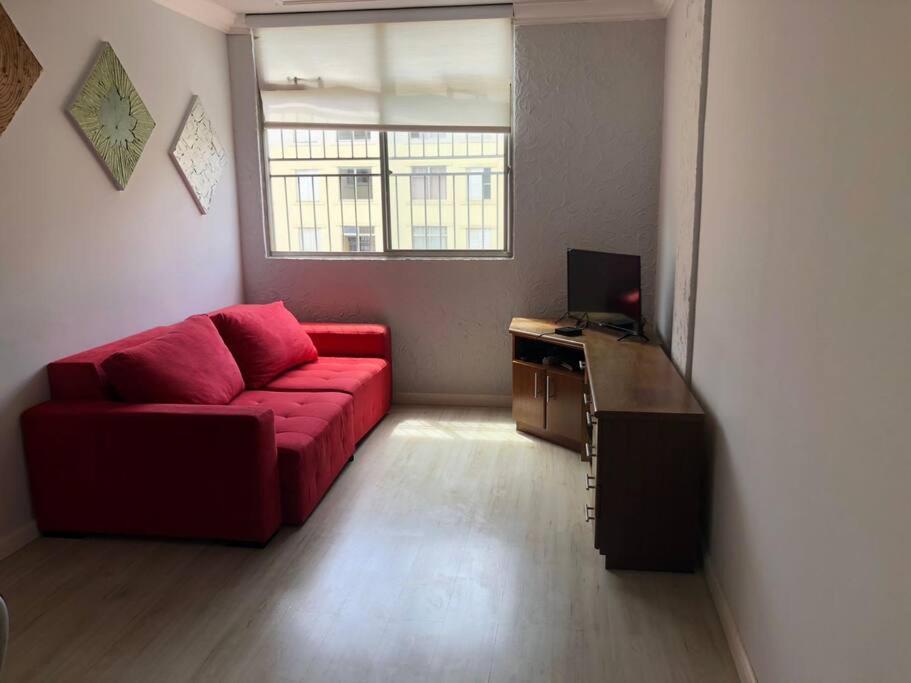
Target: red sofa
(98, 464)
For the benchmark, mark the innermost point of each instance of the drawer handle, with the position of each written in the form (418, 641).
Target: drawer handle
(590, 451)
(589, 482)
(589, 513)
(536, 385)
(586, 401)
(588, 419)
(582, 365)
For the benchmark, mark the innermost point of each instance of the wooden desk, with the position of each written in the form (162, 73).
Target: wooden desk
(640, 428)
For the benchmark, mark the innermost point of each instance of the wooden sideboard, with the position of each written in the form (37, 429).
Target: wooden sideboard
(628, 412)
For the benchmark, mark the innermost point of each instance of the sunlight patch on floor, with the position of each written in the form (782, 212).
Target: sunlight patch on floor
(458, 429)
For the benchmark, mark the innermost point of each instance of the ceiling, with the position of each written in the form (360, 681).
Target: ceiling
(228, 15)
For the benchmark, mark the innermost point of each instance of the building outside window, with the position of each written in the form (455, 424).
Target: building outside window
(479, 184)
(357, 185)
(358, 238)
(428, 182)
(429, 237)
(482, 238)
(308, 186)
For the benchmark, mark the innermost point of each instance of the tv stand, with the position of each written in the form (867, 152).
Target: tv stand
(625, 409)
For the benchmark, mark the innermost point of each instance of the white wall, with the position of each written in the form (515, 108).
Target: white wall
(802, 329)
(678, 208)
(587, 147)
(80, 263)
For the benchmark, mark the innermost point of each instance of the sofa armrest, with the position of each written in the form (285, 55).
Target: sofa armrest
(350, 339)
(168, 470)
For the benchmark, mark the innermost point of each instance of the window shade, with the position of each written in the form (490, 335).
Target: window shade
(408, 74)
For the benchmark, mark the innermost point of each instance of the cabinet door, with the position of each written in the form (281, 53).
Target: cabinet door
(528, 394)
(564, 405)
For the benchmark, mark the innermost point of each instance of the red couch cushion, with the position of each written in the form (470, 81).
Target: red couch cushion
(187, 364)
(81, 377)
(368, 380)
(315, 438)
(265, 339)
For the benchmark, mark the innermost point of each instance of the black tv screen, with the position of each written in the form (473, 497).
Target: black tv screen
(598, 282)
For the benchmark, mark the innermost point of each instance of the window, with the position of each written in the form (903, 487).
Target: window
(352, 135)
(308, 186)
(446, 193)
(402, 119)
(482, 238)
(357, 185)
(310, 239)
(358, 238)
(479, 184)
(429, 237)
(428, 182)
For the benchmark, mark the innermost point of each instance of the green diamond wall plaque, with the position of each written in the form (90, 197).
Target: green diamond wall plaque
(112, 116)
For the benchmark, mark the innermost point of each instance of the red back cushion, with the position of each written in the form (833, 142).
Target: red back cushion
(187, 364)
(266, 340)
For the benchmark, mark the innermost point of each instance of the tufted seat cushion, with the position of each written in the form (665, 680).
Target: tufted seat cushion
(315, 438)
(368, 380)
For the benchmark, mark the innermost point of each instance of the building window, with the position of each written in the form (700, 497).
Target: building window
(428, 182)
(353, 135)
(449, 192)
(482, 238)
(357, 184)
(429, 237)
(479, 184)
(358, 238)
(308, 186)
(310, 239)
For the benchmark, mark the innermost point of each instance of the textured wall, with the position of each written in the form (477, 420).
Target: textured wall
(802, 328)
(80, 263)
(678, 212)
(587, 146)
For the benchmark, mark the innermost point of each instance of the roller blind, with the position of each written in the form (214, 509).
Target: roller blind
(404, 73)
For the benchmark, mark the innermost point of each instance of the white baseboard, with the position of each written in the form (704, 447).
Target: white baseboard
(18, 538)
(469, 400)
(729, 626)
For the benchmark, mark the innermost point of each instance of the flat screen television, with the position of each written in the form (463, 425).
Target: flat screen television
(603, 283)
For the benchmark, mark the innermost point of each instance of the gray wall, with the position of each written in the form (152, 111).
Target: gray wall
(80, 263)
(802, 328)
(678, 209)
(587, 147)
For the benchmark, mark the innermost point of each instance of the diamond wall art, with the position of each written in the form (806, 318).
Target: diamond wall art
(112, 116)
(199, 155)
(19, 69)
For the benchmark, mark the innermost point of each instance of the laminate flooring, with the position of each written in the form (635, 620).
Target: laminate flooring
(452, 549)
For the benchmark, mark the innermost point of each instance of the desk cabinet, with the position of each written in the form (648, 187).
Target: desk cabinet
(547, 402)
(628, 411)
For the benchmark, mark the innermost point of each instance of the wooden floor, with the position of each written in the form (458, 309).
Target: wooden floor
(452, 549)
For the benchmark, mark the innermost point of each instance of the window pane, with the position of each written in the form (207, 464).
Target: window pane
(324, 182)
(447, 190)
(429, 237)
(452, 179)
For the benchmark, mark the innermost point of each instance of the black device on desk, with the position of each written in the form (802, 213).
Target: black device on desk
(569, 331)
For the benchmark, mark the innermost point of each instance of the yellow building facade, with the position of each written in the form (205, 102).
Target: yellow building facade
(447, 191)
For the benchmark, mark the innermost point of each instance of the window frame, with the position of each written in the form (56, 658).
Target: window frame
(387, 252)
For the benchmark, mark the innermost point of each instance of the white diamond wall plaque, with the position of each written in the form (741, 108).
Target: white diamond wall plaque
(199, 155)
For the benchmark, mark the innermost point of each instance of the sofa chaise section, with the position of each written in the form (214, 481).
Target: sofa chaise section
(185, 471)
